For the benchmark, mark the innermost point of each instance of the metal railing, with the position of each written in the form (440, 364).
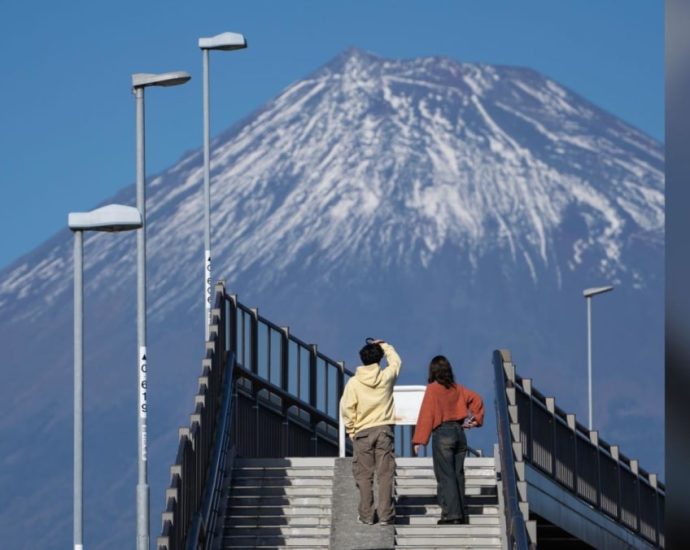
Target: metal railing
(194, 475)
(510, 454)
(577, 459)
(285, 389)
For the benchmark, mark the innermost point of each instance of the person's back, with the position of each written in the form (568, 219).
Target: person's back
(447, 410)
(369, 415)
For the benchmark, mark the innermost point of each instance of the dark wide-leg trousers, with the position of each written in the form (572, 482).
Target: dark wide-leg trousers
(449, 447)
(374, 452)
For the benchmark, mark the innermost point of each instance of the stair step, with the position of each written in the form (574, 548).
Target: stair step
(270, 481)
(440, 541)
(281, 472)
(431, 482)
(429, 472)
(285, 500)
(448, 530)
(309, 520)
(308, 462)
(278, 511)
(281, 491)
(469, 490)
(279, 530)
(427, 462)
(432, 511)
(425, 546)
(291, 542)
(431, 520)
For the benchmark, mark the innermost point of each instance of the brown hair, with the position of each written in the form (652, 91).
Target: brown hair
(441, 371)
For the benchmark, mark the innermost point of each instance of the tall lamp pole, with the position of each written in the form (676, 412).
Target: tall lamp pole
(113, 217)
(139, 82)
(588, 294)
(226, 41)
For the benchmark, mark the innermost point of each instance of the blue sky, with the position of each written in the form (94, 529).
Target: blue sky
(67, 130)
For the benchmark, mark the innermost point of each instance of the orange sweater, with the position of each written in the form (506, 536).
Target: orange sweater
(441, 405)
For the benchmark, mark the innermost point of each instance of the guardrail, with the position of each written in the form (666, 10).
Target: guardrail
(514, 503)
(187, 497)
(591, 469)
(286, 389)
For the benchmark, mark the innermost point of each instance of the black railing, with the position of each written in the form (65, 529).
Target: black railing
(517, 535)
(286, 390)
(591, 469)
(194, 475)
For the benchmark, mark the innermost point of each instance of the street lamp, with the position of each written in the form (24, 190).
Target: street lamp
(226, 41)
(139, 82)
(113, 217)
(588, 293)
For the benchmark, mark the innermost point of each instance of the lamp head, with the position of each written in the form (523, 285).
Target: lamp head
(589, 292)
(175, 78)
(113, 217)
(225, 41)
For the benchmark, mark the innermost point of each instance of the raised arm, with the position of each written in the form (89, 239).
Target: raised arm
(393, 361)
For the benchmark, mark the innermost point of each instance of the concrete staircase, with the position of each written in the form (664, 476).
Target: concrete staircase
(418, 511)
(279, 503)
(287, 503)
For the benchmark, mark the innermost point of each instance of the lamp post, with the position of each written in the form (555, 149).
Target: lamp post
(588, 294)
(113, 217)
(139, 82)
(226, 41)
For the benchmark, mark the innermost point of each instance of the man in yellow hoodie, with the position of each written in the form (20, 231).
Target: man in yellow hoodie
(369, 417)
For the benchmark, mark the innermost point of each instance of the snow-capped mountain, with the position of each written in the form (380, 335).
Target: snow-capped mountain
(451, 207)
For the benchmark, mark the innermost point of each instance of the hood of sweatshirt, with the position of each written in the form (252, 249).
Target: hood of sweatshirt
(369, 375)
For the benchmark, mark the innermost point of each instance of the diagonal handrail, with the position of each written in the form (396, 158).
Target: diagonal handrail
(204, 522)
(516, 529)
(194, 475)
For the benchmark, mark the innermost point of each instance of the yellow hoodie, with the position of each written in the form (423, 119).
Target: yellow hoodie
(368, 396)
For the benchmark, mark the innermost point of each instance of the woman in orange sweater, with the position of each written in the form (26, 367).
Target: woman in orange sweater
(448, 409)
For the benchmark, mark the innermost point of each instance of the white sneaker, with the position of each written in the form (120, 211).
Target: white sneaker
(360, 520)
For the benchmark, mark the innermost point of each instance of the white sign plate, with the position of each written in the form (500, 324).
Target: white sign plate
(408, 401)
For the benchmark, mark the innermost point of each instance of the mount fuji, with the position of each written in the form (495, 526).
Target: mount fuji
(447, 207)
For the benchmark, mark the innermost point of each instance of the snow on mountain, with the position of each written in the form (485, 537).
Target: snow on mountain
(411, 155)
(456, 206)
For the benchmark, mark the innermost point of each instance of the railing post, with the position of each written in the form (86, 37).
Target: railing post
(551, 407)
(312, 374)
(254, 340)
(657, 527)
(572, 424)
(232, 305)
(285, 385)
(285, 358)
(635, 468)
(341, 381)
(312, 392)
(616, 456)
(594, 439)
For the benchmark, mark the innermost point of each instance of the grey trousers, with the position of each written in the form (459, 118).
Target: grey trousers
(374, 452)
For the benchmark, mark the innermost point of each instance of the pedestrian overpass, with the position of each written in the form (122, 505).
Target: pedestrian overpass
(258, 465)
